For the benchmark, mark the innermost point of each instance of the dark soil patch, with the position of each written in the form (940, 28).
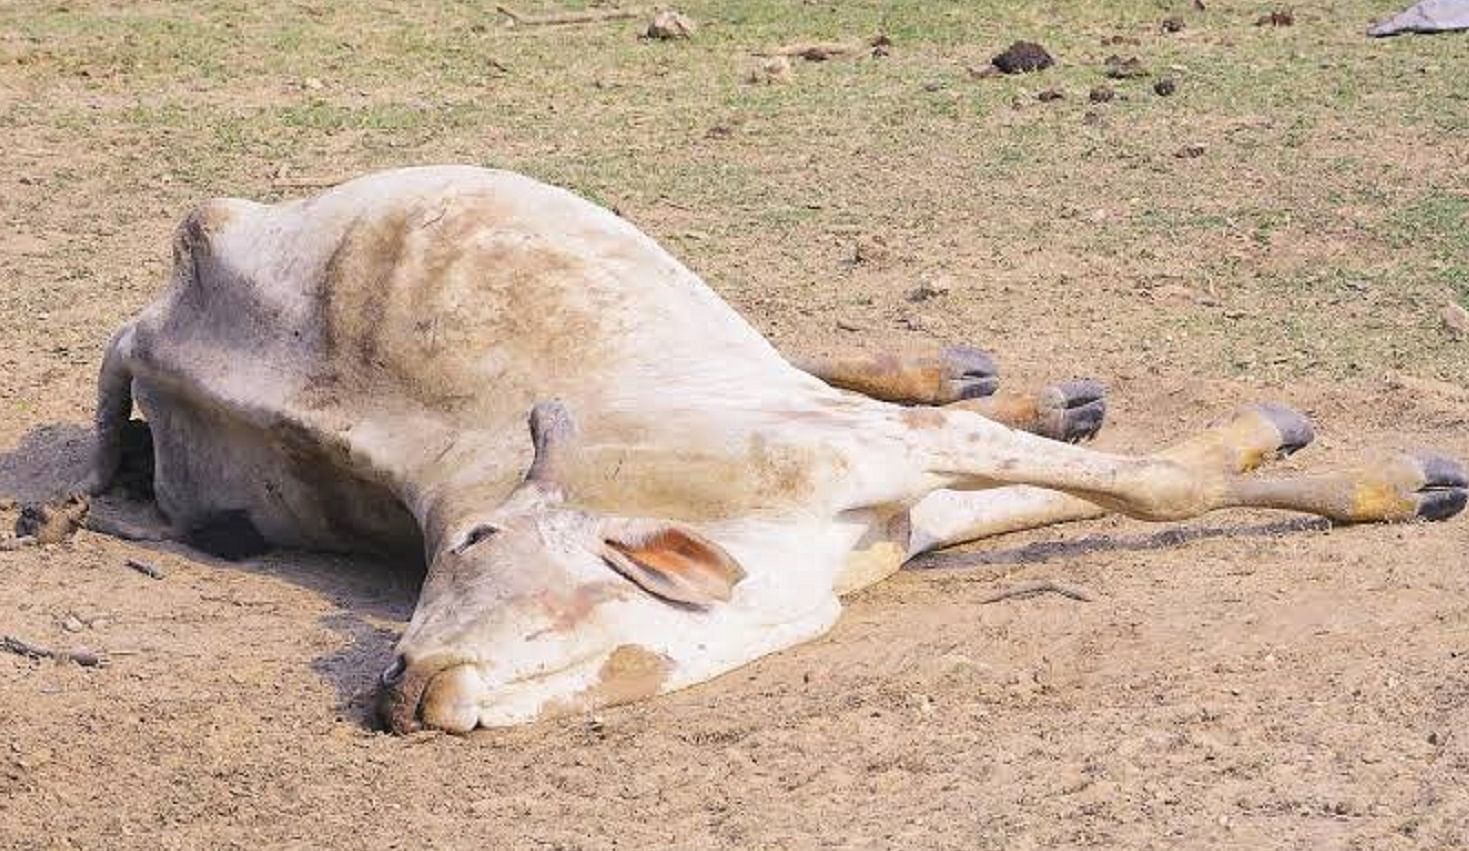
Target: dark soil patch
(1022, 57)
(1119, 68)
(1277, 18)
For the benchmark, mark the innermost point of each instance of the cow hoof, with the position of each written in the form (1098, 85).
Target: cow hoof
(1295, 430)
(1445, 488)
(1071, 411)
(966, 373)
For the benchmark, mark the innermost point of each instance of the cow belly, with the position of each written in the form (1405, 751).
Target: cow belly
(209, 462)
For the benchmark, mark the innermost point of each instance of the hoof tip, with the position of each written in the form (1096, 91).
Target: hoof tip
(969, 372)
(1295, 429)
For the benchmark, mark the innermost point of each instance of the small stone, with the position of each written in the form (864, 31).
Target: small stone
(774, 70)
(1100, 94)
(933, 86)
(871, 250)
(1456, 319)
(925, 291)
(1171, 24)
(1048, 95)
(312, 84)
(668, 24)
(1022, 57)
(1119, 68)
(913, 323)
(1193, 150)
(1165, 87)
(1433, 738)
(71, 623)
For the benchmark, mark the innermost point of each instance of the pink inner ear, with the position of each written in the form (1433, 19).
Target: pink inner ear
(679, 565)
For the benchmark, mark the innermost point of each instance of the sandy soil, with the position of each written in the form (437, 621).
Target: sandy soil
(1242, 690)
(1303, 690)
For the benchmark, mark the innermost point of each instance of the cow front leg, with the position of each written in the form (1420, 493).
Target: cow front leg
(935, 378)
(1251, 436)
(966, 378)
(114, 407)
(1070, 411)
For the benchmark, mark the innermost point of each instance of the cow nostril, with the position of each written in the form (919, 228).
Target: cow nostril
(393, 674)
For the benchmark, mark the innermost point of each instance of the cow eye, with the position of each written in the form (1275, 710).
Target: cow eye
(474, 536)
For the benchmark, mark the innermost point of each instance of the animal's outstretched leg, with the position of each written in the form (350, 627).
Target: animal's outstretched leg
(958, 449)
(967, 378)
(1070, 411)
(937, 378)
(1253, 435)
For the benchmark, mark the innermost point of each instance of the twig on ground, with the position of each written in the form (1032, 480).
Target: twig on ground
(819, 51)
(588, 16)
(145, 568)
(82, 656)
(1039, 586)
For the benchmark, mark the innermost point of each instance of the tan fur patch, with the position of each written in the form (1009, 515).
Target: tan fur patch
(911, 380)
(1379, 501)
(923, 418)
(631, 673)
(415, 294)
(879, 554)
(568, 611)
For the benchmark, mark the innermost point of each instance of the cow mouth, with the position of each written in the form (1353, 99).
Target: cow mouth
(411, 694)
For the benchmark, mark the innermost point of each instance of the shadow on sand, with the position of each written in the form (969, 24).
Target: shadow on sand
(1041, 552)
(50, 460)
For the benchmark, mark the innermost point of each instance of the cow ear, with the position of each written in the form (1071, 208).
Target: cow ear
(671, 562)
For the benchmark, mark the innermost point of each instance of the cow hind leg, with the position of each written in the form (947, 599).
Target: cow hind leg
(963, 451)
(1253, 435)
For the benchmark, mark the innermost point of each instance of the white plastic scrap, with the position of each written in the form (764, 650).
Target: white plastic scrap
(1430, 16)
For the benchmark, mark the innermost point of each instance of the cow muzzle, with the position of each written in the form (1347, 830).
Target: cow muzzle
(439, 692)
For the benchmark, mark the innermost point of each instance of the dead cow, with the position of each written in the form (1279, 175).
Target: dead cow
(353, 372)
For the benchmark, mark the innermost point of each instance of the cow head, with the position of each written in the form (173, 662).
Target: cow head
(538, 608)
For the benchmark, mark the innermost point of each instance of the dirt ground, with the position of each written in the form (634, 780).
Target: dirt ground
(1288, 225)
